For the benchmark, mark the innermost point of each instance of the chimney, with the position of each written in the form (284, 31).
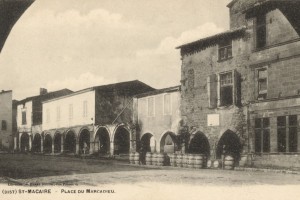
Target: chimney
(43, 91)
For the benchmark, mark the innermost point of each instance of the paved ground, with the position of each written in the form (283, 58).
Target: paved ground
(66, 174)
(35, 169)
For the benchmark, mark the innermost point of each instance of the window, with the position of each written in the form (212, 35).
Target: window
(3, 125)
(225, 49)
(24, 117)
(261, 31)
(262, 135)
(85, 111)
(47, 115)
(262, 83)
(226, 89)
(151, 107)
(191, 78)
(57, 113)
(287, 136)
(70, 111)
(167, 104)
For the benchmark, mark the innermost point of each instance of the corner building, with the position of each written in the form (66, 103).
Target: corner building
(241, 88)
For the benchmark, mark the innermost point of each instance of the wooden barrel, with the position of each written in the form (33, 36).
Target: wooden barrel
(229, 162)
(243, 161)
(173, 159)
(198, 163)
(160, 159)
(179, 160)
(148, 158)
(154, 159)
(136, 158)
(185, 160)
(191, 160)
(209, 164)
(216, 164)
(131, 158)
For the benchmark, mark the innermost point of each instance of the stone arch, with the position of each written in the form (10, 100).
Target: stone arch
(102, 140)
(148, 142)
(168, 142)
(36, 143)
(84, 141)
(199, 144)
(70, 142)
(121, 140)
(24, 140)
(48, 143)
(229, 144)
(58, 141)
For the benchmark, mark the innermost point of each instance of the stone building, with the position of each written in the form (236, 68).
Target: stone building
(241, 88)
(157, 116)
(29, 115)
(96, 120)
(6, 120)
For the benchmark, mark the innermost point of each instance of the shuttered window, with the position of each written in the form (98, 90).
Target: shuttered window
(224, 89)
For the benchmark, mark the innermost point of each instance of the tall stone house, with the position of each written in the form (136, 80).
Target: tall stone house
(241, 88)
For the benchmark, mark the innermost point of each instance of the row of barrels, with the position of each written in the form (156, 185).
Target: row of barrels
(188, 160)
(197, 161)
(158, 159)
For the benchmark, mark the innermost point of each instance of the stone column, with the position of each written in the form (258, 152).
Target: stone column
(30, 143)
(42, 144)
(77, 147)
(112, 148)
(52, 147)
(62, 143)
(20, 141)
(15, 143)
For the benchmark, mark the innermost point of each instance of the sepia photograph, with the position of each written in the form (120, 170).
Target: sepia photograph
(160, 99)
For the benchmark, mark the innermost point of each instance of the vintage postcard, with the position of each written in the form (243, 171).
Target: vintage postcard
(138, 99)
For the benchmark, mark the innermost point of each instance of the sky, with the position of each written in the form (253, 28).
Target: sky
(77, 44)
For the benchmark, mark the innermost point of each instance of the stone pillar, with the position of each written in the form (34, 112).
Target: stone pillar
(77, 147)
(62, 143)
(52, 147)
(112, 148)
(92, 147)
(15, 143)
(42, 144)
(20, 141)
(30, 143)
(133, 141)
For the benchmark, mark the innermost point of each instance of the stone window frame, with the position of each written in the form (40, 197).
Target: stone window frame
(48, 115)
(287, 128)
(260, 30)
(262, 130)
(261, 94)
(232, 84)
(164, 111)
(85, 108)
(58, 113)
(153, 114)
(70, 111)
(226, 46)
(24, 117)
